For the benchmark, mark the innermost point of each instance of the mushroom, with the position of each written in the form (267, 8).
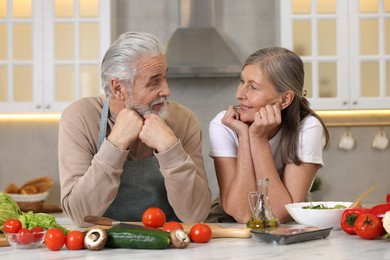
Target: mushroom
(95, 239)
(179, 238)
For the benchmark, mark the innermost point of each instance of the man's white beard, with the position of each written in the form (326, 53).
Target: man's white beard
(144, 109)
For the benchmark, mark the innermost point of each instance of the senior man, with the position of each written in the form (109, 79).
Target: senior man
(131, 149)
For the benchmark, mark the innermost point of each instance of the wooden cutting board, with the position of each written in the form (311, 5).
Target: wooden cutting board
(3, 240)
(218, 231)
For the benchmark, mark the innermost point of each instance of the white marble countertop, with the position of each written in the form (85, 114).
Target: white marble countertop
(338, 245)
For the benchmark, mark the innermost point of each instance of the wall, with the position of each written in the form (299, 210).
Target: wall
(347, 174)
(29, 150)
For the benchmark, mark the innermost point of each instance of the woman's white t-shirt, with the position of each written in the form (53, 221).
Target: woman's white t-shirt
(224, 141)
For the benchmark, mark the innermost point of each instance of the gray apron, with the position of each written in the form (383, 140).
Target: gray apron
(141, 185)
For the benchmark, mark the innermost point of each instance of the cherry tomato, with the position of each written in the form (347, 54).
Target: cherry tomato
(12, 225)
(200, 233)
(153, 217)
(38, 233)
(75, 240)
(172, 225)
(368, 226)
(25, 236)
(55, 239)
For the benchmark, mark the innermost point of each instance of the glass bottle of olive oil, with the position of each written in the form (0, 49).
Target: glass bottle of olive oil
(262, 215)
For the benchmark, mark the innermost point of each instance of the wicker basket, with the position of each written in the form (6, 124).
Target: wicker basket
(30, 202)
(31, 206)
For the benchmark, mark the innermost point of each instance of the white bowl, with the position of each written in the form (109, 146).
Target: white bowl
(29, 197)
(324, 218)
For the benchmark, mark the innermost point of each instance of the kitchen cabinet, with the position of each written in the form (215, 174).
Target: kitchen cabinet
(50, 52)
(345, 46)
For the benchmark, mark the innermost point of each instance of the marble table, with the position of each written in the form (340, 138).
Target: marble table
(338, 245)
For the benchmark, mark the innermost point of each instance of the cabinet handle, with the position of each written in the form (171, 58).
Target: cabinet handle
(354, 102)
(38, 106)
(47, 106)
(345, 102)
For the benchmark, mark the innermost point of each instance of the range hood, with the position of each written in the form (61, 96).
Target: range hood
(196, 49)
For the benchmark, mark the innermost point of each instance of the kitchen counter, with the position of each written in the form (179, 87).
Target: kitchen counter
(338, 245)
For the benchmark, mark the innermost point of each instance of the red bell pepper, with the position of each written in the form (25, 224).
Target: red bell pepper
(388, 197)
(349, 217)
(380, 210)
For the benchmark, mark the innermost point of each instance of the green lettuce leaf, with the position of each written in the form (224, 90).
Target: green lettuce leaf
(8, 208)
(44, 220)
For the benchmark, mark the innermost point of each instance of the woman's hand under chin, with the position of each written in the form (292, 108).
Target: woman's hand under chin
(267, 122)
(232, 120)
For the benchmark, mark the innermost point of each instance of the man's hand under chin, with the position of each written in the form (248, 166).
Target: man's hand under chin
(156, 133)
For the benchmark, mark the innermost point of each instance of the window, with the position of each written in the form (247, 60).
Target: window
(50, 52)
(345, 46)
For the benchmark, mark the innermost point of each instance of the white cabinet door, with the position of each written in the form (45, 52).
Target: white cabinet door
(370, 54)
(20, 27)
(345, 48)
(50, 52)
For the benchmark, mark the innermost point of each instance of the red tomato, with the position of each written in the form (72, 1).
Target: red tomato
(200, 233)
(25, 236)
(388, 197)
(74, 240)
(55, 239)
(12, 225)
(368, 226)
(38, 233)
(172, 225)
(153, 217)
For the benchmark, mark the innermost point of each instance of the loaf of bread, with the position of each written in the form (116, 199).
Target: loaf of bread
(34, 186)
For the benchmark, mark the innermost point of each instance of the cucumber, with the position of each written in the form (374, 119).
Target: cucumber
(137, 238)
